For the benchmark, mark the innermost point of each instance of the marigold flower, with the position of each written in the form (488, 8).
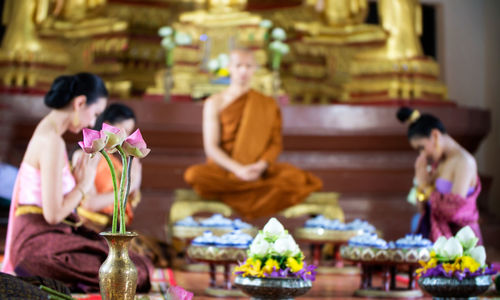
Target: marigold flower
(294, 265)
(270, 266)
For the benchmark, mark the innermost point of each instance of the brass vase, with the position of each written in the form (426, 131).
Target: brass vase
(118, 275)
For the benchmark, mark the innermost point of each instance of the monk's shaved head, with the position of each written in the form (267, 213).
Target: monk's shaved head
(242, 65)
(240, 53)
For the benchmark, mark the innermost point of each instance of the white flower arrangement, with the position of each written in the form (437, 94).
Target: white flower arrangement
(219, 65)
(457, 257)
(274, 253)
(171, 39)
(266, 23)
(279, 34)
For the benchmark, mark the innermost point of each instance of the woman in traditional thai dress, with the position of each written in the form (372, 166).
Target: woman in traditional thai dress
(45, 237)
(446, 179)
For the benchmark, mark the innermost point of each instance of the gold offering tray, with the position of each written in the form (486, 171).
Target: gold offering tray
(392, 256)
(325, 235)
(217, 254)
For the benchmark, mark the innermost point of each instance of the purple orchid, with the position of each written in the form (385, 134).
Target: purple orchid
(93, 141)
(439, 271)
(308, 272)
(280, 273)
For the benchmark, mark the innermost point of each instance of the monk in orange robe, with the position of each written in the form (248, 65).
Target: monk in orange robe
(242, 140)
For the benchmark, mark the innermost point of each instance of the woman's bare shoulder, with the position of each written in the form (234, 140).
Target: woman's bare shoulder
(463, 160)
(43, 143)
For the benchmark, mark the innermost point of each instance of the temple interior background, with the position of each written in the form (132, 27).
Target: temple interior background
(339, 87)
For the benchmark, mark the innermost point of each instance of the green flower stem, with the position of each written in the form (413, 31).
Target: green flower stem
(276, 60)
(123, 188)
(115, 191)
(129, 173)
(170, 57)
(55, 294)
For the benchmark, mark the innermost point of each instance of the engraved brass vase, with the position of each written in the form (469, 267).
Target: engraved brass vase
(118, 275)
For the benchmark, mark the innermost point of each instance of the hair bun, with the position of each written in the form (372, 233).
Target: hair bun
(404, 113)
(61, 92)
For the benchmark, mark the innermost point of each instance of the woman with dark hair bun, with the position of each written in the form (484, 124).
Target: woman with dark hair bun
(66, 87)
(446, 180)
(44, 237)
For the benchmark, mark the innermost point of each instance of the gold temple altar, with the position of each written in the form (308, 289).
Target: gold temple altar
(215, 31)
(335, 55)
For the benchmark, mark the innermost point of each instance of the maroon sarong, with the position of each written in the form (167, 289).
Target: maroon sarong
(69, 254)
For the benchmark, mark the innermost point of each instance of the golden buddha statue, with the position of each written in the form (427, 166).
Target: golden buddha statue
(27, 60)
(342, 59)
(88, 34)
(345, 12)
(81, 18)
(397, 70)
(402, 20)
(328, 44)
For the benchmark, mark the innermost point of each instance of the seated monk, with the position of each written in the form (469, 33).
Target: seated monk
(242, 140)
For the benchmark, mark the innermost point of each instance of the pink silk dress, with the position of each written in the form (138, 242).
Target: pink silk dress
(30, 194)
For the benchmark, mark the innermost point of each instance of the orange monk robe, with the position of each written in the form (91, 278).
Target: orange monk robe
(251, 131)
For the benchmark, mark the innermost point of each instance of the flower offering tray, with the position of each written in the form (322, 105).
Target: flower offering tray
(449, 288)
(215, 254)
(191, 232)
(392, 256)
(318, 237)
(389, 261)
(218, 256)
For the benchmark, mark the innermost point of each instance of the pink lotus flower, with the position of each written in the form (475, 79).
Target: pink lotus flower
(93, 141)
(135, 145)
(115, 136)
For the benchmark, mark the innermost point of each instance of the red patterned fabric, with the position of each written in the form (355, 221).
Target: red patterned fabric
(450, 212)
